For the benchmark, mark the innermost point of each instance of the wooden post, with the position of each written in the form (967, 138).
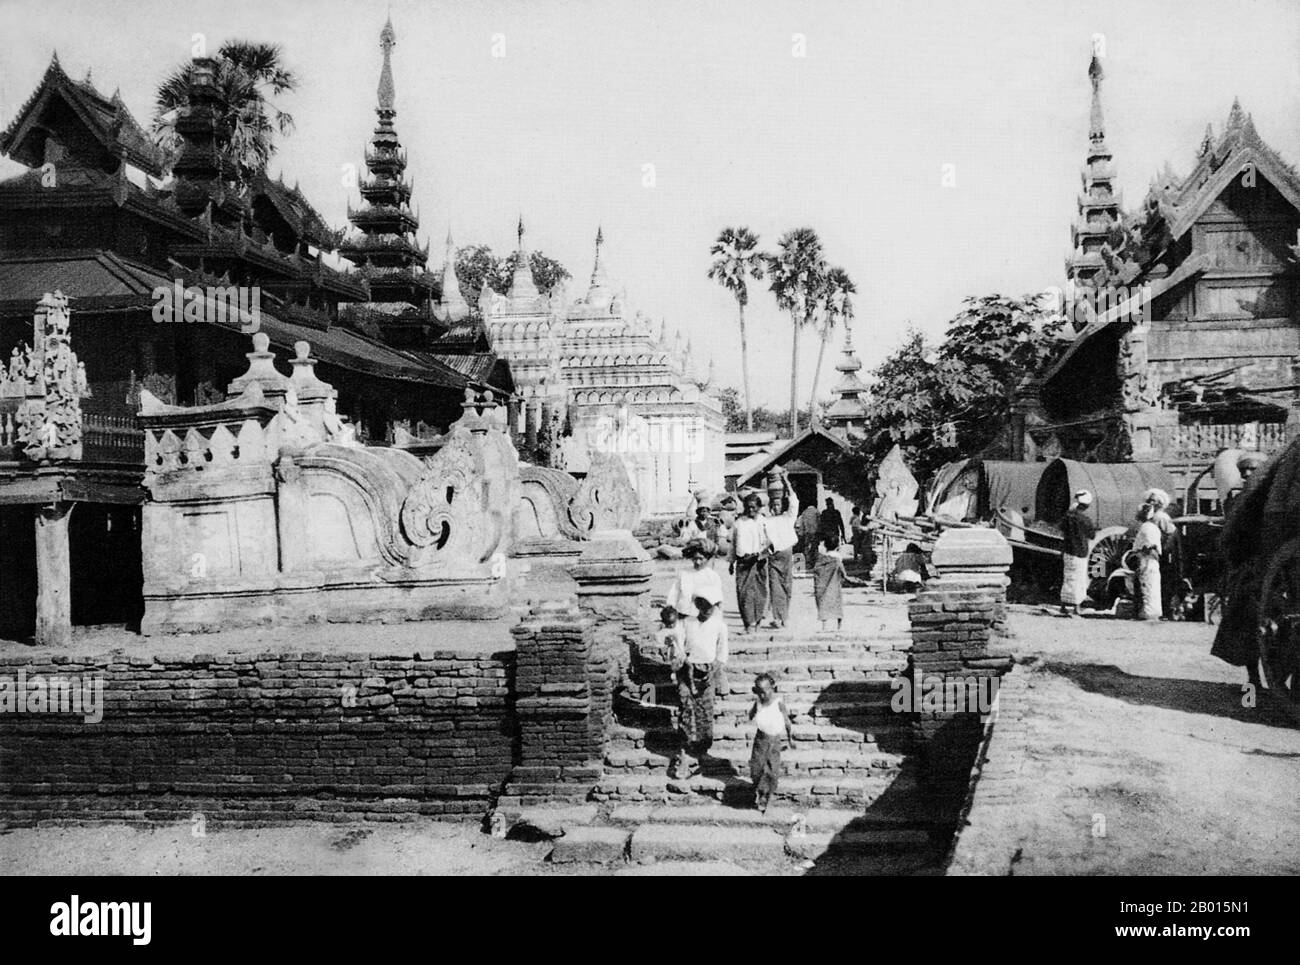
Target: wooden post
(53, 576)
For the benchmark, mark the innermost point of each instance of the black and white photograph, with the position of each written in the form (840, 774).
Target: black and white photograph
(571, 438)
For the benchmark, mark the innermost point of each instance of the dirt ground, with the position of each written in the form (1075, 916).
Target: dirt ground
(1139, 758)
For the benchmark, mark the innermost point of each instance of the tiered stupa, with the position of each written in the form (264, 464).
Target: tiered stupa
(1099, 204)
(847, 415)
(383, 243)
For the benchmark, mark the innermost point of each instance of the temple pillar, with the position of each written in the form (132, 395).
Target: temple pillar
(512, 418)
(1026, 405)
(530, 425)
(53, 576)
(958, 623)
(613, 577)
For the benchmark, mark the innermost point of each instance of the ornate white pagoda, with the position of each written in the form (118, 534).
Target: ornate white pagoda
(593, 362)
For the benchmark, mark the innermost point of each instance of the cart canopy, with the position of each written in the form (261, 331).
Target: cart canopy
(1116, 487)
(975, 489)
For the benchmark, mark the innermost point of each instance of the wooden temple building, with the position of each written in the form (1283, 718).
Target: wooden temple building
(1200, 351)
(91, 237)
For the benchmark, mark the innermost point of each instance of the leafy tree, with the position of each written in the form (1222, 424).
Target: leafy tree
(547, 272)
(474, 265)
(758, 419)
(736, 259)
(795, 273)
(953, 401)
(836, 303)
(249, 75)
(477, 265)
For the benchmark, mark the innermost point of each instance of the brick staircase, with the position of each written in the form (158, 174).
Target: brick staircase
(849, 748)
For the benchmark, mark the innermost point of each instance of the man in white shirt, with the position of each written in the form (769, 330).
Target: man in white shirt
(781, 538)
(748, 562)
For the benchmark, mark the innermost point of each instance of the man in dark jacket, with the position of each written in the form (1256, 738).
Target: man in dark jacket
(831, 521)
(1078, 531)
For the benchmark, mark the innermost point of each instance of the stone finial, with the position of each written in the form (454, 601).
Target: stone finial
(306, 385)
(262, 370)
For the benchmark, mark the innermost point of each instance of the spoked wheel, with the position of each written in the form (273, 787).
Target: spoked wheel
(1105, 557)
(1279, 617)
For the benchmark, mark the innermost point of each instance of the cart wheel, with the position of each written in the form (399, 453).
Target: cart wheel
(1105, 557)
(1279, 615)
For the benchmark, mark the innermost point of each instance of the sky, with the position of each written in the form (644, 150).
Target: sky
(665, 121)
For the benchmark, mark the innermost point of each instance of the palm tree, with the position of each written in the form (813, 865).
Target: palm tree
(836, 304)
(248, 76)
(736, 259)
(795, 272)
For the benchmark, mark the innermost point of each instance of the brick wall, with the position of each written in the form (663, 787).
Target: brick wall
(248, 735)
(564, 686)
(957, 629)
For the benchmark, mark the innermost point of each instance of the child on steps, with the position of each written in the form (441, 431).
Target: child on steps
(773, 726)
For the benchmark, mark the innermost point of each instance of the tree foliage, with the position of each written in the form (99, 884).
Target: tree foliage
(796, 278)
(249, 75)
(765, 419)
(737, 260)
(476, 264)
(953, 401)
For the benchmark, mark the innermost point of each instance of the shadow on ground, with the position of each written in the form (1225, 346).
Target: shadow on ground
(1171, 693)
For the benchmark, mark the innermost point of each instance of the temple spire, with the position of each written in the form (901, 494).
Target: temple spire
(453, 304)
(1096, 121)
(387, 92)
(1098, 203)
(847, 415)
(599, 282)
(384, 243)
(522, 285)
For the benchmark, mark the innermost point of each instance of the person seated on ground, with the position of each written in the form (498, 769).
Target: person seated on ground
(702, 526)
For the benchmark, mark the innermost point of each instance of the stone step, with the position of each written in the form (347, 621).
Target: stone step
(796, 763)
(779, 650)
(805, 792)
(729, 736)
(693, 842)
(827, 820)
(875, 683)
(880, 666)
(851, 710)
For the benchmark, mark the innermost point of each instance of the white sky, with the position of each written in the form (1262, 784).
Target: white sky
(850, 139)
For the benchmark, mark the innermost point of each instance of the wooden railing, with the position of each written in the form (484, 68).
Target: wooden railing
(1200, 442)
(111, 438)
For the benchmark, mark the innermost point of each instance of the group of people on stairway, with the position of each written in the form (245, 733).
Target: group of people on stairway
(761, 545)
